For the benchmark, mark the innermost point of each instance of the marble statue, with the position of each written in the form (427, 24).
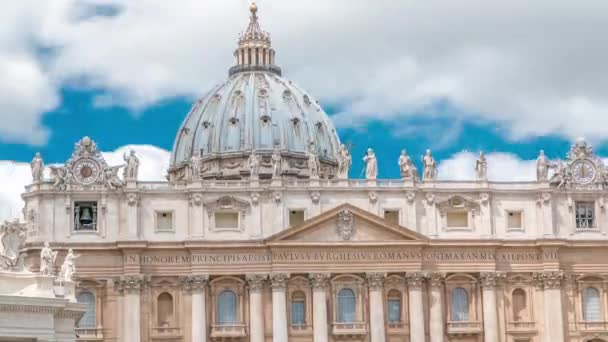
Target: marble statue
(430, 166)
(345, 161)
(481, 167)
(60, 176)
(12, 238)
(371, 164)
(37, 166)
(406, 167)
(195, 165)
(132, 167)
(542, 167)
(313, 164)
(276, 163)
(68, 268)
(253, 163)
(111, 178)
(47, 260)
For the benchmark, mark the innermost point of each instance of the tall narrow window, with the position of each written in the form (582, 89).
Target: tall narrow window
(298, 308)
(519, 305)
(346, 306)
(165, 310)
(591, 305)
(394, 306)
(88, 319)
(460, 304)
(226, 307)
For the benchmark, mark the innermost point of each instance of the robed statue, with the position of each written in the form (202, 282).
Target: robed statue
(47, 260)
(371, 164)
(37, 166)
(132, 167)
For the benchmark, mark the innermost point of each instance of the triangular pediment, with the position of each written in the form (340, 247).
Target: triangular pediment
(346, 223)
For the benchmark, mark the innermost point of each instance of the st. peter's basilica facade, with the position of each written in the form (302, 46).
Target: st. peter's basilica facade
(259, 235)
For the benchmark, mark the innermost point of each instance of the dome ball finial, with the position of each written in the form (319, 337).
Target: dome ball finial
(253, 8)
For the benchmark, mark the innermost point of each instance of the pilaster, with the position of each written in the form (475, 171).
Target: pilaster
(437, 317)
(278, 283)
(256, 284)
(415, 282)
(375, 283)
(320, 284)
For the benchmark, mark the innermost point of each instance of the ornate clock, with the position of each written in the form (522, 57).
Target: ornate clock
(86, 171)
(583, 171)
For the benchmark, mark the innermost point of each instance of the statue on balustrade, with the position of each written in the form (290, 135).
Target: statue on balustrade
(345, 161)
(276, 163)
(47, 260)
(195, 165)
(371, 164)
(132, 167)
(68, 268)
(542, 167)
(313, 164)
(406, 166)
(430, 166)
(481, 167)
(37, 166)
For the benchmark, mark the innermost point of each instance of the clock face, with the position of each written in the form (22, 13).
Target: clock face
(583, 171)
(86, 171)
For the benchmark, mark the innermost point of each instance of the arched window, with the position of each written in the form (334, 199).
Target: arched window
(165, 309)
(226, 307)
(394, 306)
(346, 305)
(519, 305)
(298, 308)
(591, 304)
(460, 304)
(88, 319)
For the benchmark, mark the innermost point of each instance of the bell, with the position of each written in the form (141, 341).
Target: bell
(85, 216)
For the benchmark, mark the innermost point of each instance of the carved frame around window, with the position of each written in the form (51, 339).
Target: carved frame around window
(227, 204)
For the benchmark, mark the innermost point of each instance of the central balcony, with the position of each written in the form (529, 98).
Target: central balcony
(349, 330)
(166, 333)
(225, 332)
(521, 327)
(464, 328)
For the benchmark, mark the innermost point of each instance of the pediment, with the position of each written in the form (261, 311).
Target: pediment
(346, 224)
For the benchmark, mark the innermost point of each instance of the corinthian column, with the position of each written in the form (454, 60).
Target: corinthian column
(415, 281)
(197, 285)
(375, 283)
(551, 283)
(490, 315)
(131, 287)
(320, 283)
(279, 307)
(437, 322)
(256, 309)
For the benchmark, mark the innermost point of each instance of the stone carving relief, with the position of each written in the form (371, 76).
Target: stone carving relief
(319, 280)
(256, 282)
(12, 237)
(346, 225)
(193, 283)
(131, 283)
(375, 280)
(458, 203)
(492, 279)
(315, 196)
(278, 281)
(227, 203)
(415, 280)
(196, 199)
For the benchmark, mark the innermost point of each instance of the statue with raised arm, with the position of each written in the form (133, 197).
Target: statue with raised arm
(47, 260)
(68, 268)
(132, 168)
(253, 163)
(430, 166)
(37, 166)
(481, 167)
(371, 164)
(345, 161)
(542, 167)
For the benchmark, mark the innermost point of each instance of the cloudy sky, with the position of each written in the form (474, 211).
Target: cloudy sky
(457, 77)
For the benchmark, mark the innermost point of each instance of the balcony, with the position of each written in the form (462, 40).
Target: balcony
(398, 328)
(521, 327)
(89, 334)
(166, 333)
(300, 329)
(232, 331)
(464, 328)
(348, 330)
(593, 326)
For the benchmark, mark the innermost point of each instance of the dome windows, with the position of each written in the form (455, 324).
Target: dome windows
(206, 124)
(233, 121)
(287, 94)
(265, 119)
(307, 100)
(295, 122)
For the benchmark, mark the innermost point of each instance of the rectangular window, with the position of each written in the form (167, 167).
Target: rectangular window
(85, 216)
(298, 313)
(164, 221)
(514, 220)
(585, 215)
(392, 216)
(394, 310)
(296, 217)
(227, 220)
(458, 219)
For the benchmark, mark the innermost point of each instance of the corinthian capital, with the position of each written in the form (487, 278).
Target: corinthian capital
(319, 280)
(491, 279)
(549, 280)
(435, 279)
(415, 280)
(131, 283)
(375, 280)
(194, 283)
(278, 281)
(256, 281)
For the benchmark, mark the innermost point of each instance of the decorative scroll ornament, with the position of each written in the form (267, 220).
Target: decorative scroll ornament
(12, 238)
(346, 225)
(87, 167)
(196, 199)
(582, 169)
(315, 196)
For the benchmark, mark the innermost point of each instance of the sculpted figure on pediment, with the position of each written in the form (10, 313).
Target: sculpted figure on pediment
(132, 167)
(195, 165)
(430, 166)
(253, 163)
(345, 161)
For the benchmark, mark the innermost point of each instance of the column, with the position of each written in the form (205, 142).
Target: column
(437, 319)
(320, 284)
(554, 318)
(256, 309)
(197, 285)
(279, 307)
(131, 287)
(490, 314)
(375, 283)
(416, 311)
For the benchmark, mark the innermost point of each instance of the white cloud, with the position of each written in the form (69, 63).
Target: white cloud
(14, 176)
(535, 67)
(504, 167)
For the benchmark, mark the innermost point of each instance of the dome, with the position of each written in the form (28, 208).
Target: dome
(256, 111)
